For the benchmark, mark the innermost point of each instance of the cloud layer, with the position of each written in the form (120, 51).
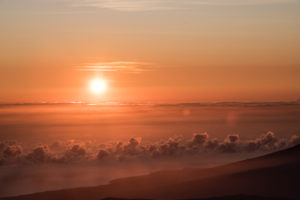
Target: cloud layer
(135, 149)
(146, 5)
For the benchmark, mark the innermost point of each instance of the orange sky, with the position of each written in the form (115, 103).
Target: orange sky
(164, 51)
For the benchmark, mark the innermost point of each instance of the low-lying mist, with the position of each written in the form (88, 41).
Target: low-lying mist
(53, 146)
(68, 164)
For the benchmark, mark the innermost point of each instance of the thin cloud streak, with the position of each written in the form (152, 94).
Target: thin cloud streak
(118, 66)
(148, 5)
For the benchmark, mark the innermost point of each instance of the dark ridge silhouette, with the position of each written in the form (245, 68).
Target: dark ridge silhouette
(274, 175)
(241, 197)
(236, 197)
(111, 198)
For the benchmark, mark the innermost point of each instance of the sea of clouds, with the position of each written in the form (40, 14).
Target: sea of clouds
(71, 151)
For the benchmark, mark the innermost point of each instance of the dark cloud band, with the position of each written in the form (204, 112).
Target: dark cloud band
(73, 152)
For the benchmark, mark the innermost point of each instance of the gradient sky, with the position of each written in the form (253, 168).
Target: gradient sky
(150, 50)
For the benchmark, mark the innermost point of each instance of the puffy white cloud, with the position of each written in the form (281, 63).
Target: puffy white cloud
(102, 154)
(39, 154)
(12, 151)
(199, 138)
(75, 153)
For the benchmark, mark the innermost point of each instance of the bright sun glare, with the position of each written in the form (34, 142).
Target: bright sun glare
(98, 86)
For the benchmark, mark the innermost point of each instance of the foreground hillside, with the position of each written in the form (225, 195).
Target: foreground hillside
(275, 175)
(235, 197)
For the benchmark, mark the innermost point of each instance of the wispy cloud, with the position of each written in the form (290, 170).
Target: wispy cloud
(117, 66)
(125, 5)
(146, 5)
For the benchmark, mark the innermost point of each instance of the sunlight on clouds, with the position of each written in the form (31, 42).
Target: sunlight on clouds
(118, 66)
(125, 5)
(146, 5)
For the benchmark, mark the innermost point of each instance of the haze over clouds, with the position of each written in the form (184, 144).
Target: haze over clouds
(68, 164)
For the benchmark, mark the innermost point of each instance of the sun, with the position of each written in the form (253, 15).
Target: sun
(98, 86)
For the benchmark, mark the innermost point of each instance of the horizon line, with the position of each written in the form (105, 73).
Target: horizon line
(192, 103)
